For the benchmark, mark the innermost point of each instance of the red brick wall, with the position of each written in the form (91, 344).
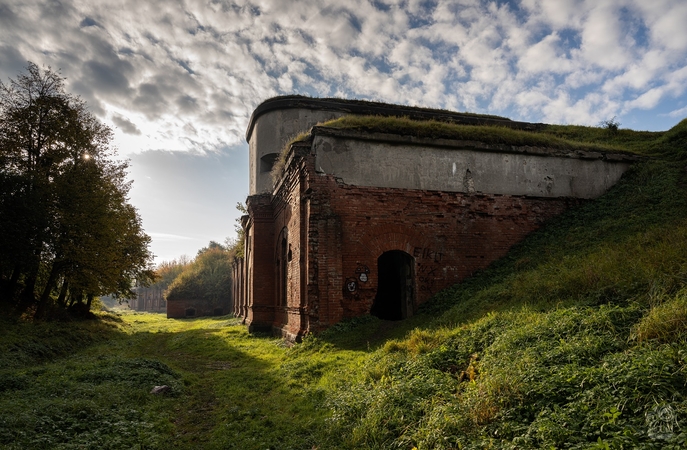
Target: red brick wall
(289, 217)
(449, 235)
(337, 232)
(260, 253)
(176, 309)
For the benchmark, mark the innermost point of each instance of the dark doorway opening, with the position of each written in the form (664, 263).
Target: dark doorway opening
(190, 312)
(396, 288)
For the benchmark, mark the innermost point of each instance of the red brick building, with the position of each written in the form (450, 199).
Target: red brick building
(359, 222)
(181, 308)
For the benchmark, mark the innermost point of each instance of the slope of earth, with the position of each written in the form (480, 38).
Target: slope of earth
(578, 339)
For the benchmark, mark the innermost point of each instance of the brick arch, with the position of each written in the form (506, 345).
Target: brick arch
(377, 244)
(381, 243)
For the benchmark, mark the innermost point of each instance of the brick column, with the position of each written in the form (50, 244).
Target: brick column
(260, 263)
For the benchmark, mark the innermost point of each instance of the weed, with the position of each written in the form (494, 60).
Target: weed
(280, 162)
(611, 125)
(433, 129)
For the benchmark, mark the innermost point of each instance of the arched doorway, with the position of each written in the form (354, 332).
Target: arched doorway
(396, 286)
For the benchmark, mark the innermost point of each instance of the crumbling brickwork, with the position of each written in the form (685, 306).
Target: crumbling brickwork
(449, 235)
(320, 249)
(315, 245)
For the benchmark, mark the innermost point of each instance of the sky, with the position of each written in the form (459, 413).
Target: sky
(177, 80)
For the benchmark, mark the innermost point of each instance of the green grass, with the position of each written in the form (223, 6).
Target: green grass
(554, 137)
(229, 389)
(576, 339)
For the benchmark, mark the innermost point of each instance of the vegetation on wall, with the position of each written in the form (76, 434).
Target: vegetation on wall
(67, 232)
(487, 134)
(557, 137)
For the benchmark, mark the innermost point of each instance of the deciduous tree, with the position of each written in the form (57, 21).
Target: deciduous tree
(67, 232)
(208, 278)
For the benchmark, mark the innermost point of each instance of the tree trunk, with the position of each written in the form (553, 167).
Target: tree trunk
(43, 301)
(9, 290)
(28, 297)
(75, 296)
(62, 298)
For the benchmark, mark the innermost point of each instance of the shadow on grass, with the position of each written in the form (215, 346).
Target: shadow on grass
(226, 390)
(233, 394)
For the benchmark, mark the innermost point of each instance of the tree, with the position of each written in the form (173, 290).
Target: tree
(207, 278)
(167, 271)
(237, 245)
(67, 233)
(211, 246)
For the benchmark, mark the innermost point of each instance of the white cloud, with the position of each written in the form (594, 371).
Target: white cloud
(164, 65)
(545, 56)
(682, 112)
(665, 20)
(647, 100)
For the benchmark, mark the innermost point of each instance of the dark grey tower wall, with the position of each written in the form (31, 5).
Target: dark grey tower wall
(277, 120)
(270, 132)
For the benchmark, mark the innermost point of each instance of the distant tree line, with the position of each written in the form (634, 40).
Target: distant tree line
(67, 231)
(206, 278)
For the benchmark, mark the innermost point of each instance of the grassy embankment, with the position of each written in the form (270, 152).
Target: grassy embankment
(578, 339)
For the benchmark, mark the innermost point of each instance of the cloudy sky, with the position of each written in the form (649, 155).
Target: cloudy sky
(178, 79)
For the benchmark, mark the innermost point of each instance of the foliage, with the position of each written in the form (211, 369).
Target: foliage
(236, 246)
(67, 233)
(208, 277)
(611, 125)
(168, 271)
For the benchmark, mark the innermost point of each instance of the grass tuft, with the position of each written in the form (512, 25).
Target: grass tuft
(666, 322)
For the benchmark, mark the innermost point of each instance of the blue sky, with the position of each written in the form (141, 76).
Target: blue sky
(178, 80)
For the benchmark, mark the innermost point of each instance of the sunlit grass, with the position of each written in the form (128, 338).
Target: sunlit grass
(572, 341)
(229, 389)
